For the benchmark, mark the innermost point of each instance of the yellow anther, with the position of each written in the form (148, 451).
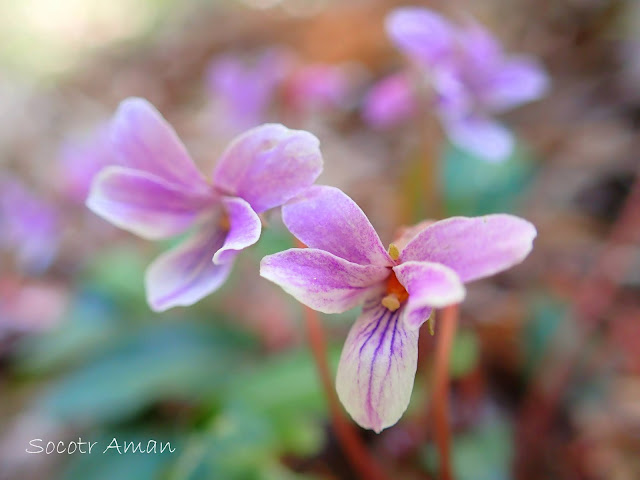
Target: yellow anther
(431, 321)
(394, 253)
(391, 302)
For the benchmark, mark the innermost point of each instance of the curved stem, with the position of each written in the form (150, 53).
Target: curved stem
(447, 327)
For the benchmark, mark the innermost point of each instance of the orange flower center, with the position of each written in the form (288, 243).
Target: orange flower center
(396, 293)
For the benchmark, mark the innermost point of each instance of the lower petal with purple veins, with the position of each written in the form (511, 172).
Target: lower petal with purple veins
(377, 368)
(186, 274)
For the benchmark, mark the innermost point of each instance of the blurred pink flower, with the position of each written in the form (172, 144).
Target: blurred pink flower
(158, 192)
(245, 91)
(30, 227)
(318, 86)
(470, 75)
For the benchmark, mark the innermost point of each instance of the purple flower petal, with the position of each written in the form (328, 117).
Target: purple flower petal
(145, 141)
(481, 136)
(421, 33)
(321, 280)
(185, 274)
(145, 204)
(377, 368)
(269, 165)
(390, 102)
(517, 81)
(326, 218)
(430, 285)
(473, 247)
(245, 91)
(245, 228)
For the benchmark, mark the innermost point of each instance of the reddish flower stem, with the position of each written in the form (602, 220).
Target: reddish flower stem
(354, 449)
(447, 326)
(593, 299)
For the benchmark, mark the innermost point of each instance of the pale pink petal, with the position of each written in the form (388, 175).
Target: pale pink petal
(145, 141)
(519, 80)
(321, 280)
(377, 368)
(268, 165)
(430, 285)
(185, 274)
(421, 33)
(326, 218)
(481, 136)
(145, 204)
(244, 231)
(473, 247)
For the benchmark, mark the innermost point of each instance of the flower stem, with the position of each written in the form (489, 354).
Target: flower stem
(447, 327)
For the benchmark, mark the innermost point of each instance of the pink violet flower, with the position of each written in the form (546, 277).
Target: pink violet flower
(30, 226)
(346, 265)
(157, 192)
(390, 102)
(245, 90)
(471, 77)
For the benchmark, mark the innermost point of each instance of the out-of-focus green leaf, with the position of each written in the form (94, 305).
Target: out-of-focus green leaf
(152, 363)
(109, 465)
(547, 315)
(286, 383)
(273, 240)
(483, 454)
(120, 272)
(239, 444)
(88, 325)
(464, 354)
(473, 186)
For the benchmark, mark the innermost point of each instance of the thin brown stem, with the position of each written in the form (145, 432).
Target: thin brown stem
(447, 327)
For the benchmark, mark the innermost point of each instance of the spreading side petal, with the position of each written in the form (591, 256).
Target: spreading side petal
(430, 285)
(377, 368)
(321, 280)
(326, 218)
(145, 141)
(244, 229)
(474, 247)
(421, 33)
(519, 80)
(481, 136)
(185, 274)
(145, 204)
(268, 165)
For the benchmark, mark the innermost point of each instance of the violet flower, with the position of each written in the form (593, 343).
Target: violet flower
(318, 86)
(245, 91)
(157, 192)
(30, 227)
(471, 76)
(346, 265)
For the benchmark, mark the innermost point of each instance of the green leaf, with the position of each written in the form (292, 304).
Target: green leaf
(464, 353)
(152, 363)
(473, 186)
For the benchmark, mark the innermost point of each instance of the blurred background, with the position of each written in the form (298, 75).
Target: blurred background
(545, 368)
